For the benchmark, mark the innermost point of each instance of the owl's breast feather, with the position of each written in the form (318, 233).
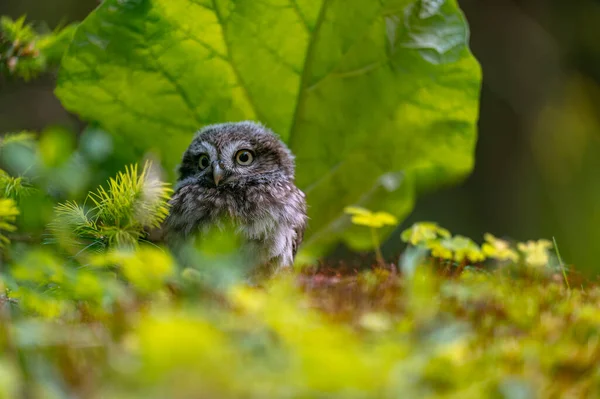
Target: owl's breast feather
(257, 212)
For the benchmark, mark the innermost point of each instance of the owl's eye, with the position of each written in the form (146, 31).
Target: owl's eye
(244, 157)
(203, 161)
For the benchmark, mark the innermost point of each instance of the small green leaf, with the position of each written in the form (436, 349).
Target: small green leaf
(423, 232)
(457, 248)
(464, 248)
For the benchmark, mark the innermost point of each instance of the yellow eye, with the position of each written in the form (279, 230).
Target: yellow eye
(244, 157)
(203, 161)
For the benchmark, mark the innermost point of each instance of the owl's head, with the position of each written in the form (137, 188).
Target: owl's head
(230, 153)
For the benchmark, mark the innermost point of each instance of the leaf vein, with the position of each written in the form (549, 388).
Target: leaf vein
(236, 72)
(296, 8)
(178, 88)
(135, 112)
(306, 72)
(213, 51)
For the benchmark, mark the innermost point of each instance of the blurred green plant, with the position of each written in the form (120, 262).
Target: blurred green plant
(14, 187)
(50, 286)
(8, 215)
(498, 249)
(147, 269)
(23, 137)
(24, 53)
(424, 232)
(119, 214)
(378, 100)
(461, 250)
(125, 325)
(457, 248)
(373, 220)
(535, 252)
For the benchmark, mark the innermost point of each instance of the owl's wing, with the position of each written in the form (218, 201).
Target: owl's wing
(299, 230)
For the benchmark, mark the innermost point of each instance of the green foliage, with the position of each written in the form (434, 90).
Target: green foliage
(18, 53)
(23, 137)
(24, 53)
(461, 320)
(374, 220)
(13, 187)
(458, 249)
(8, 215)
(147, 269)
(131, 322)
(440, 244)
(424, 232)
(49, 286)
(498, 249)
(536, 252)
(377, 99)
(11, 190)
(125, 324)
(119, 214)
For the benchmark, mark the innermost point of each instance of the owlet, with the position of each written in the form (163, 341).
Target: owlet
(240, 173)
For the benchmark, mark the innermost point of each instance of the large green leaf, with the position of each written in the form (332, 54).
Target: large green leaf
(377, 99)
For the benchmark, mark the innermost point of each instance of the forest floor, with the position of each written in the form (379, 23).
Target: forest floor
(324, 332)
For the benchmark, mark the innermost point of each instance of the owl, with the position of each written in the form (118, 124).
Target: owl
(240, 174)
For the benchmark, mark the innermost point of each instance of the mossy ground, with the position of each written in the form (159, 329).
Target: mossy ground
(321, 333)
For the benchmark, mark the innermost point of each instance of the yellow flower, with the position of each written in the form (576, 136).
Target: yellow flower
(374, 220)
(536, 252)
(498, 249)
(364, 217)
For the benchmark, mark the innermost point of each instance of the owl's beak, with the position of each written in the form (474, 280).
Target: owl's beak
(217, 173)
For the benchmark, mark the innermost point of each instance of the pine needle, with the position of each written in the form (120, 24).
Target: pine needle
(121, 211)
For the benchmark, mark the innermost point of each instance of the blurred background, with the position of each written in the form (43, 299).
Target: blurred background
(538, 154)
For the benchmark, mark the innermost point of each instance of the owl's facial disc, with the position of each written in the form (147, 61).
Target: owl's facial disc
(235, 154)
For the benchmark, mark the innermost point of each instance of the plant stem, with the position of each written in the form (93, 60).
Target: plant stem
(562, 265)
(378, 254)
